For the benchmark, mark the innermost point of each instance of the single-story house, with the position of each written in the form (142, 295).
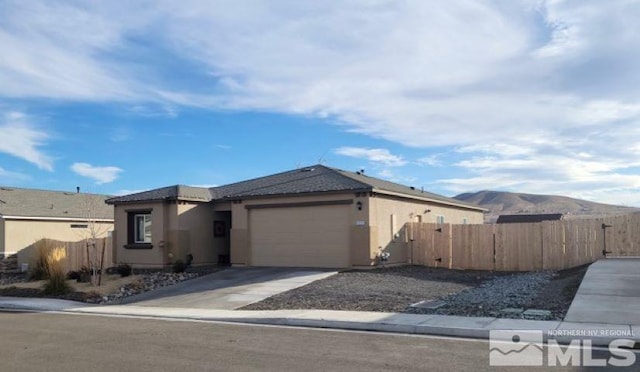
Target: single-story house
(28, 215)
(529, 218)
(315, 216)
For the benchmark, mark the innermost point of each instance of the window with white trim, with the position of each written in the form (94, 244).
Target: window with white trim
(142, 228)
(139, 222)
(440, 219)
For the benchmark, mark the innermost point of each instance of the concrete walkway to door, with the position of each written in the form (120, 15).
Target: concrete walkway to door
(229, 289)
(608, 294)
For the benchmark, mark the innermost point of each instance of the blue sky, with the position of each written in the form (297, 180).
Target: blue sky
(528, 96)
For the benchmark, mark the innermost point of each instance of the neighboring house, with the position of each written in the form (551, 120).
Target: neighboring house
(310, 217)
(27, 216)
(529, 218)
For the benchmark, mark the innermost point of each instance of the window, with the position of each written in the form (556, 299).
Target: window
(440, 219)
(464, 221)
(79, 226)
(142, 228)
(139, 229)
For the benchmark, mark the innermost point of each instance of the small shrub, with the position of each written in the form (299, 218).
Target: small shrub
(73, 275)
(56, 278)
(124, 269)
(179, 266)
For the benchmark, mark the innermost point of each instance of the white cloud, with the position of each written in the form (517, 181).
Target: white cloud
(522, 77)
(99, 174)
(205, 185)
(553, 168)
(434, 160)
(23, 140)
(393, 177)
(127, 192)
(380, 156)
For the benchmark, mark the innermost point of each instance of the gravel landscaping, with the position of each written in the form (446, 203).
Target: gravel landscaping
(144, 281)
(466, 293)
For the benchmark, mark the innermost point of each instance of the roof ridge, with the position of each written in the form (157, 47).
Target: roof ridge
(262, 187)
(341, 173)
(261, 177)
(73, 192)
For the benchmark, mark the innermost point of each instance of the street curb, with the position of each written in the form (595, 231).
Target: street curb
(436, 325)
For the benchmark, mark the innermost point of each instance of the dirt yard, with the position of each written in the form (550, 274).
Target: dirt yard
(467, 293)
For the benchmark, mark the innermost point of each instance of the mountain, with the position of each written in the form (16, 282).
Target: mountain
(500, 202)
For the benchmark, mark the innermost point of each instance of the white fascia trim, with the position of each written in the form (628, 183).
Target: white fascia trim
(57, 219)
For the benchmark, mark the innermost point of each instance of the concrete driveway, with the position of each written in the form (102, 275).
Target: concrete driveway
(229, 289)
(609, 293)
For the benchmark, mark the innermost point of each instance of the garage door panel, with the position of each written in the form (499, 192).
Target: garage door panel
(304, 236)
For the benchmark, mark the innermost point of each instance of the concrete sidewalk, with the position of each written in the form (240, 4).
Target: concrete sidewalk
(609, 293)
(455, 326)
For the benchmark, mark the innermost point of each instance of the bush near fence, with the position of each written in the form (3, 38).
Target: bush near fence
(549, 245)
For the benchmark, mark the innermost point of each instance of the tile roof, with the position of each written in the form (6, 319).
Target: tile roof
(176, 192)
(52, 204)
(316, 178)
(313, 179)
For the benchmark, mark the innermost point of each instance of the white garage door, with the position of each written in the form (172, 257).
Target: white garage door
(315, 236)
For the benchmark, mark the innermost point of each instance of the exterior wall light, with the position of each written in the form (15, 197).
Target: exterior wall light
(359, 205)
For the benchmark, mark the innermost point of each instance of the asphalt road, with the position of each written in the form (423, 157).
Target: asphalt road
(58, 342)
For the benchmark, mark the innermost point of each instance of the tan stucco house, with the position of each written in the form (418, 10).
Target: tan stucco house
(309, 217)
(28, 215)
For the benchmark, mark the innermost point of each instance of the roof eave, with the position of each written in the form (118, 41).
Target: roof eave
(430, 200)
(156, 200)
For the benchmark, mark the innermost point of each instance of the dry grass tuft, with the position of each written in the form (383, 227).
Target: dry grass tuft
(56, 283)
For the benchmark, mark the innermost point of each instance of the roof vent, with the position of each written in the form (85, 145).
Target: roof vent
(307, 169)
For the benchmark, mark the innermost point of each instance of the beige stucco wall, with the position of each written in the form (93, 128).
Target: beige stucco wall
(196, 220)
(177, 229)
(20, 235)
(182, 228)
(161, 214)
(357, 221)
(388, 237)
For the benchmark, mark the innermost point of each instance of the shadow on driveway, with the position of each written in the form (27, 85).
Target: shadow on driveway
(229, 289)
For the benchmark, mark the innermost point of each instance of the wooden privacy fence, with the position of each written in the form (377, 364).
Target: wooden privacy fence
(550, 245)
(77, 252)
